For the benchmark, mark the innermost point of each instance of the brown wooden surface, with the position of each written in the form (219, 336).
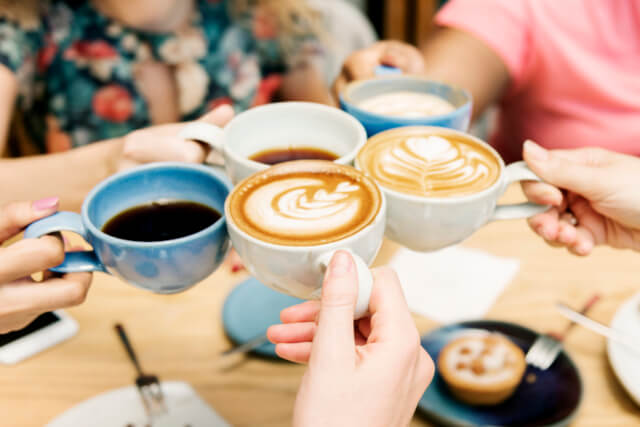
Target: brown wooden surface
(408, 20)
(425, 10)
(179, 337)
(395, 19)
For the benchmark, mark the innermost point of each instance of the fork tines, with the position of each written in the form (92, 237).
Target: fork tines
(151, 394)
(543, 352)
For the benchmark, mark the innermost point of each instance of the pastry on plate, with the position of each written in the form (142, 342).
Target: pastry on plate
(482, 368)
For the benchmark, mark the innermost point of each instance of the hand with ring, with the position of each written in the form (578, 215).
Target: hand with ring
(594, 194)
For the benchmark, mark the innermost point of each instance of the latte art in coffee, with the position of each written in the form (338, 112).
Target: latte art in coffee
(296, 204)
(304, 203)
(414, 162)
(407, 104)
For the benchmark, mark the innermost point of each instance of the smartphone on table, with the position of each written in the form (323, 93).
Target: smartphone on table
(45, 331)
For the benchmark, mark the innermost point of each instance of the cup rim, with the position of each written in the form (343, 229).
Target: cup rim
(221, 222)
(345, 98)
(442, 200)
(344, 159)
(381, 216)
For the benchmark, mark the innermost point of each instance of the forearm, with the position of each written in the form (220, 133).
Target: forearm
(305, 83)
(462, 60)
(69, 175)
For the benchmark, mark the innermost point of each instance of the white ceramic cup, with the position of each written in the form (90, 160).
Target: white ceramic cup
(279, 125)
(430, 223)
(299, 270)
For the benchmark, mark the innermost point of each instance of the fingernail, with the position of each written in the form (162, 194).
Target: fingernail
(535, 152)
(236, 268)
(341, 264)
(46, 204)
(584, 248)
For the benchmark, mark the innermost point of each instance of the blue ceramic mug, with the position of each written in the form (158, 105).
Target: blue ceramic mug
(389, 80)
(165, 266)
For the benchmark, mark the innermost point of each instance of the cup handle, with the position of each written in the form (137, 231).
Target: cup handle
(205, 133)
(518, 171)
(386, 70)
(365, 282)
(74, 262)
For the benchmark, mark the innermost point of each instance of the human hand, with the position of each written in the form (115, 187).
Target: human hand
(362, 64)
(161, 143)
(600, 204)
(233, 261)
(372, 374)
(22, 299)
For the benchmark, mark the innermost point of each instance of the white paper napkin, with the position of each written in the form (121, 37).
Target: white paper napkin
(452, 284)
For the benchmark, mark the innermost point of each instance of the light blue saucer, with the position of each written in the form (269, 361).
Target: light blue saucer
(250, 309)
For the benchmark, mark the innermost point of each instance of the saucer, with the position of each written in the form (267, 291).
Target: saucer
(123, 407)
(551, 400)
(626, 364)
(250, 309)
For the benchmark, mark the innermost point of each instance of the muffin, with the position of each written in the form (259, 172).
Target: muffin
(482, 368)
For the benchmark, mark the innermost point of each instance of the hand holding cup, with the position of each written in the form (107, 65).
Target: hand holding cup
(369, 373)
(600, 204)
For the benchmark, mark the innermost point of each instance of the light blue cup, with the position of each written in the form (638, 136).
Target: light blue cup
(164, 267)
(389, 80)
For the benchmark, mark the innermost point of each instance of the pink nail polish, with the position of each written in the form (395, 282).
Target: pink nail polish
(46, 204)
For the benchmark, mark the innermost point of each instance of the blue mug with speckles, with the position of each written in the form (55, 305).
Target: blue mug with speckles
(167, 266)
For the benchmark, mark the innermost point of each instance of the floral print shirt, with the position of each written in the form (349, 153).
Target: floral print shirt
(75, 69)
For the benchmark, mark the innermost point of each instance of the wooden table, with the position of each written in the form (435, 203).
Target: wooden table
(179, 337)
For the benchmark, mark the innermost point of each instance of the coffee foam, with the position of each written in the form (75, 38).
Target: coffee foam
(407, 104)
(424, 163)
(304, 203)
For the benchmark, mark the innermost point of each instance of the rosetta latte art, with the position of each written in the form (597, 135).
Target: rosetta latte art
(304, 203)
(304, 207)
(430, 165)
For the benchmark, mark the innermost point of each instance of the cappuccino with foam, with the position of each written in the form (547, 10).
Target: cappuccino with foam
(429, 163)
(304, 203)
(440, 185)
(407, 104)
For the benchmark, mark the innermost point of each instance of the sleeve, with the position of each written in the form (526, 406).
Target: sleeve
(18, 45)
(20, 52)
(504, 25)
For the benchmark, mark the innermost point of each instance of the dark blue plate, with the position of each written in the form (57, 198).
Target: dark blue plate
(250, 309)
(551, 400)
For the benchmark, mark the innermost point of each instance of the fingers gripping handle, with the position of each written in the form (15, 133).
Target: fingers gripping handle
(365, 282)
(206, 133)
(519, 171)
(73, 261)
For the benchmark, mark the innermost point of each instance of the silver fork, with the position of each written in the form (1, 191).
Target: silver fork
(545, 349)
(148, 385)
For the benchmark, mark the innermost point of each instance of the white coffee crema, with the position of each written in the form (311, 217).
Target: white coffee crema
(423, 164)
(305, 206)
(407, 104)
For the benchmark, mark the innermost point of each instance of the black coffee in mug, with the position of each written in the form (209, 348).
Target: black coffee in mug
(161, 220)
(274, 156)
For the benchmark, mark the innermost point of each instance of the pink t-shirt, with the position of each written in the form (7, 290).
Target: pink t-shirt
(574, 66)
